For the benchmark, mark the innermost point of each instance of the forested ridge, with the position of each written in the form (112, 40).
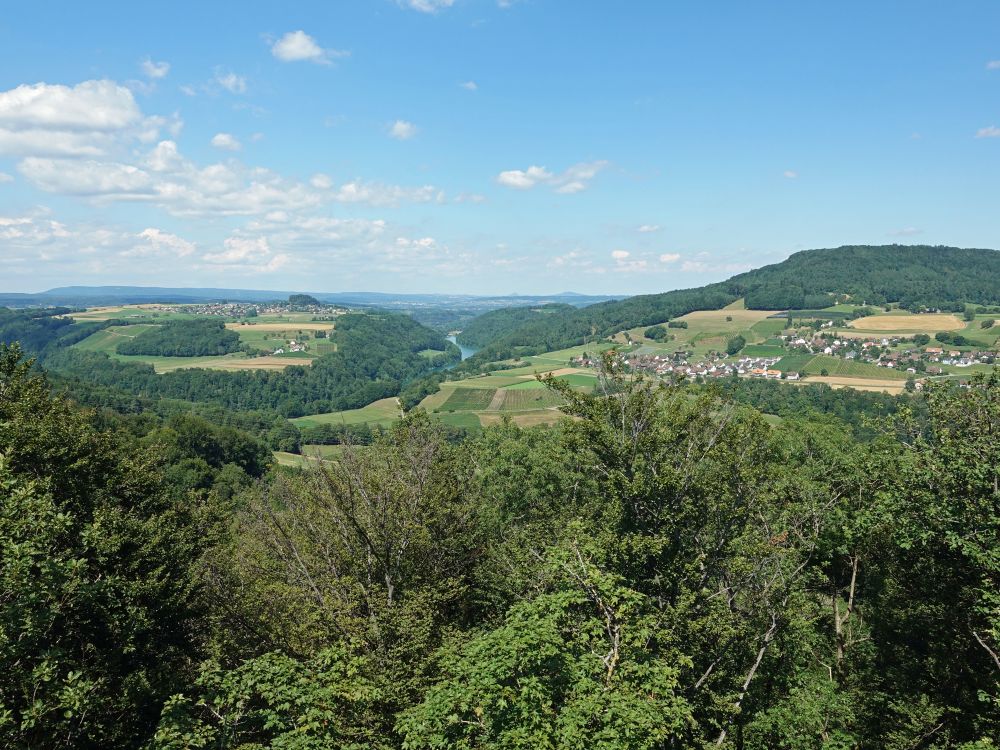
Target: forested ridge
(489, 326)
(667, 570)
(914, 276)
(184, 338)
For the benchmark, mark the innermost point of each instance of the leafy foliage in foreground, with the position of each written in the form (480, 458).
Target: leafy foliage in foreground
(97, 577)
(666, 570)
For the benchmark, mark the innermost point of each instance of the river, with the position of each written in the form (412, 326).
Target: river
(466, 351)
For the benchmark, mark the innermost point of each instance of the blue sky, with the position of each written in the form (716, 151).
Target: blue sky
(478, 146)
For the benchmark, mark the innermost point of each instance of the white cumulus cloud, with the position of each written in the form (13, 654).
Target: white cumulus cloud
(321, 181)
(572, 180)
(989, 132)
(427, 6)
(231, 82)
(154, 69)
(469, 85)
(670, 257)
(88, 119)
(402, 130)
(524, 179)
(296, 46)
(157, 243)
(226, 142)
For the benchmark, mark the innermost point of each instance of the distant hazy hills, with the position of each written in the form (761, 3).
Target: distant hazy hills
(124, 295)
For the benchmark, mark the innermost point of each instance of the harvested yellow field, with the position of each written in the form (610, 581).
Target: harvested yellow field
(169, 364)
(719, 316)
(925, 323)
(862, 384)
(310, 326)
(258, 363)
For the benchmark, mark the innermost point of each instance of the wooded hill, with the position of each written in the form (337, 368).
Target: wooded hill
(491, 325)
(184, 338)
(914, 276)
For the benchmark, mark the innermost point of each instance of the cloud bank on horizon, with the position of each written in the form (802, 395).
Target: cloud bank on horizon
(474, 146)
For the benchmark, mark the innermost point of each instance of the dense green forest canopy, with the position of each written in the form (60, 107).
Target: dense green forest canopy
(496, 323)
(915, 276)
(183, 338)
(666, 570)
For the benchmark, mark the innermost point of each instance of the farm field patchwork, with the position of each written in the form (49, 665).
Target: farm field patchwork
(488, 381)
(468, 399)
(709, 330)
(131, 312)
(528, 400)
(847, 368)
(107, 341)
(814, 364)
(274, 336)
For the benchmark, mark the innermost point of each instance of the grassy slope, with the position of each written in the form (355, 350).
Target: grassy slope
(383, 412)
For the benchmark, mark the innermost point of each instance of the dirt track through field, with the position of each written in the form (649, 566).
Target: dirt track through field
(259, 363)
(497, 401)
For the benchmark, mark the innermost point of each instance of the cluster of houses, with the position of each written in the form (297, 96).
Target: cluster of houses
(293, 346)
(882, 351)
(677, 364)
(878, 351)
(245, 309)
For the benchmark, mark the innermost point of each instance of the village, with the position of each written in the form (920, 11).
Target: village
(910, 354)
(250, 309)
